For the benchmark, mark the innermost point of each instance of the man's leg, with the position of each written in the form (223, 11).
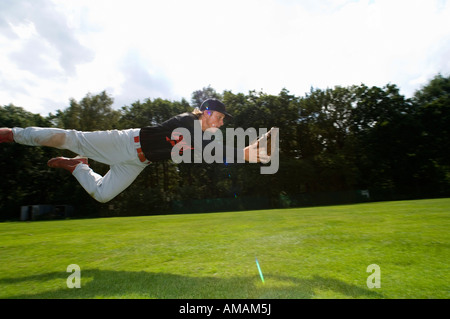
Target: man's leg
(116, 180)
(115, 148)
(108, 147)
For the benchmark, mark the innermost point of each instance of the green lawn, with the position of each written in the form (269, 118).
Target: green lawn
(320, 252)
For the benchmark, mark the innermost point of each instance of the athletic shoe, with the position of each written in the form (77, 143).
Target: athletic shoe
(6, 135)
(67, 163)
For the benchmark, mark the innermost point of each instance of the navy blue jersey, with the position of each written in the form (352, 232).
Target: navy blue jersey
(158, 141)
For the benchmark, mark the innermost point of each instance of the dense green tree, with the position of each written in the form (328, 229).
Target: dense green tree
(332, 141)
(324, 139)
(199, 96)
(23, 169)
(384, 124)
(93, 112)
(433, 148)
(433, 102)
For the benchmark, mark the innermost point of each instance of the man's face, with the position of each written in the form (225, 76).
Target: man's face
(212, 119)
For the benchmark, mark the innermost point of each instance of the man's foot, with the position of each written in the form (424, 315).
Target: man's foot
(6, 135)
(67, 163)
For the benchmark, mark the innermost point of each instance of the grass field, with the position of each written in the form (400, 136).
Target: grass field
(320, 252)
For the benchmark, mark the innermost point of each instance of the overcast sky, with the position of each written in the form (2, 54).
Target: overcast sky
(54, 50)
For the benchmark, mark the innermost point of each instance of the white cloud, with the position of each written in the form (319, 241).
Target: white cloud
(137, 49)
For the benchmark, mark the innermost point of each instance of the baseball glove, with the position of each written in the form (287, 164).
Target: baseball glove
(262, 148)
(264, 143)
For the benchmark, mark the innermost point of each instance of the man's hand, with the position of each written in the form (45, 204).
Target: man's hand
(261, 150)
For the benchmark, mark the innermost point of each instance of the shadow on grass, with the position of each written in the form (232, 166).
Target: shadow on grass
(97, 283)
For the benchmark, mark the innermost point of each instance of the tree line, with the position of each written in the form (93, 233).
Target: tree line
(334, 142)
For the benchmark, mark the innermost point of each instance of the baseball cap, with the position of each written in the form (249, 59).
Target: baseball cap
(214, 105)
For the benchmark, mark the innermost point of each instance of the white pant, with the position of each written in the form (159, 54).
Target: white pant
(116, 148)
